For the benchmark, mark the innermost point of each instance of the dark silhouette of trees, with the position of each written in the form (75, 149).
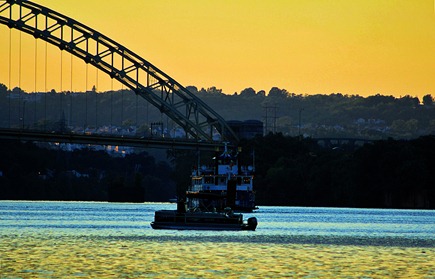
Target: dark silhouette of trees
(384, 174)
(33, 173)
(275, 92)
(3, 89)
(428, 100)
(288, 171)
(248, 92)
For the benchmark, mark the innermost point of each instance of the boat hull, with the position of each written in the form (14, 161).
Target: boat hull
(202, 227)
(220, 221)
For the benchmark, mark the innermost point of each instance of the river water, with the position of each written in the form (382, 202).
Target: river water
(115, 240)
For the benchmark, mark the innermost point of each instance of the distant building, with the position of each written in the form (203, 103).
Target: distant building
(246, 129)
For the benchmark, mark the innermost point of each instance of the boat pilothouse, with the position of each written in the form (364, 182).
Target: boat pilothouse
(224, 184)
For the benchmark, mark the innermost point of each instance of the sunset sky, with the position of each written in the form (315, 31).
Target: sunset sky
(360, 47)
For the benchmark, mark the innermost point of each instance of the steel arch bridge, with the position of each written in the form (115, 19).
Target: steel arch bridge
(184, 108)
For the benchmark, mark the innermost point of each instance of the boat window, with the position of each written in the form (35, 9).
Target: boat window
(222, 181)
(246, 180)
(208, 180)
(239, 180)
(196, 181)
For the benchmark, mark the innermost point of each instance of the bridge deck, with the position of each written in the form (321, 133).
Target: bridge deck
(143, 142)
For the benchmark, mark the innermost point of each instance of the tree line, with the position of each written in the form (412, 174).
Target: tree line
(318, 115)
(289, 171)
(327, 115)
(382, 174)
(31, 172)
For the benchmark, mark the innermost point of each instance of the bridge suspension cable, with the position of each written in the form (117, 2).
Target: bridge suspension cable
(197, 119)
(10, 73)
(36, 78)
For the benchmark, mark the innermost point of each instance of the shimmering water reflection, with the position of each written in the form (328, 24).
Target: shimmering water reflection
(102, 240)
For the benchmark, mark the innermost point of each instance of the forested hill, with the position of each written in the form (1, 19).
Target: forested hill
(289, 171)
(31, 172)
(383, 174)
(334, 115)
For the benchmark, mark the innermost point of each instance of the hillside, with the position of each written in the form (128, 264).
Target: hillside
(333, 115)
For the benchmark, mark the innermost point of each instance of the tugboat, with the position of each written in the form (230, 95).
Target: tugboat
(213, 196)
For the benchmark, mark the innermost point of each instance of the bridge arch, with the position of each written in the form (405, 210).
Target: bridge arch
(171, 98)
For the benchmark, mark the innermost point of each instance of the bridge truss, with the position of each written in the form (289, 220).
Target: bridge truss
(184, 108)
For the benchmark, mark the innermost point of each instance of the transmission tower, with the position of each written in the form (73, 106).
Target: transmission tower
(270, 117)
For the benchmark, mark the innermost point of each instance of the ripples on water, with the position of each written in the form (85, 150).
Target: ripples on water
(110, 240)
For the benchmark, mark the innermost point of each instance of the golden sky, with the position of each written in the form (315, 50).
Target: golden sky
(360, 47)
